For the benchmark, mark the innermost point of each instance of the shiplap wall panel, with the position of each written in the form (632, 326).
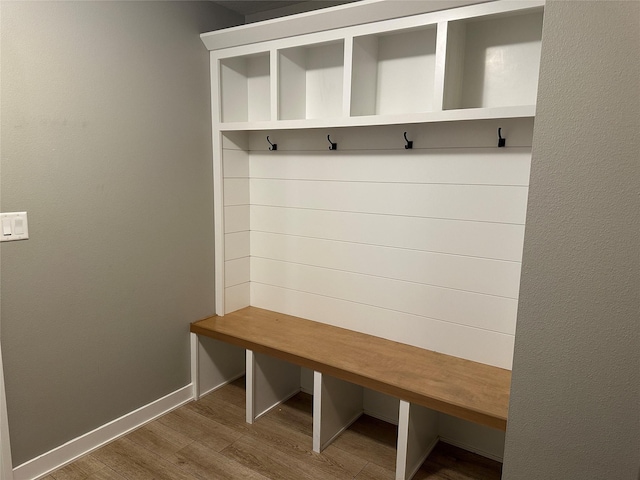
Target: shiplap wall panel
(470, 274)
(237, 271)
(475, 344)
(421, 246)
(504, 204)
(236, 218)
(237, 297)
(236, 191)
(236, 163)
(236, 245)
(235, 166)
(479, 166)
(462, 307)
(478, 239)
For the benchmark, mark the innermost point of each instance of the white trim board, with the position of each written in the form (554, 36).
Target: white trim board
(6, 472)
(73, 449)
(331, 18)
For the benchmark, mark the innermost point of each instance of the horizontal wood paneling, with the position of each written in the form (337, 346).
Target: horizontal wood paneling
(236, 245)
(235, 163)
(472, 274)
(236, 271)
(236, 297)
(236, 218)
(479, 239)
(468, 166)
(475, 344)
(236, 191)
(422, 246)
(465, 308)
(504, 204)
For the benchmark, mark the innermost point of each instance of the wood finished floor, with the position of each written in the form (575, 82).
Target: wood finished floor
(209, 439)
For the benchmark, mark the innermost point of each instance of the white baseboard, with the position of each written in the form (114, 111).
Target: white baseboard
(6, 470)
(73, 449)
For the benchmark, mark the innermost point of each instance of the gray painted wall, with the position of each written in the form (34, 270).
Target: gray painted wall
(106, 142)
(575, 401)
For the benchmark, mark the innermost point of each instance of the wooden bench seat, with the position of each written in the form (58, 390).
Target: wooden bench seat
(462, 388)
(344, 361)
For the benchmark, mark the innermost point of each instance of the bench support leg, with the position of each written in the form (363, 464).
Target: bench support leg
(336, 405)
(269, 382)
(417, 435)
(195, 366)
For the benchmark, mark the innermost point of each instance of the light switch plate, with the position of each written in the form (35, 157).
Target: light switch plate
(14, 226)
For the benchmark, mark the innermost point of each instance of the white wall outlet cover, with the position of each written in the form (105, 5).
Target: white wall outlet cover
(14, 226)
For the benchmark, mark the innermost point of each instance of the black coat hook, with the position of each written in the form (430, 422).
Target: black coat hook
(502, 142)
(409, 144)
(274, 146)
(332, 146)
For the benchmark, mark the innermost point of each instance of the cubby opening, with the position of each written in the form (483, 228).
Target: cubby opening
(377, 441)
(311, 81)
(245, 86)
(270, 381)
(393, 73)
(493, 61)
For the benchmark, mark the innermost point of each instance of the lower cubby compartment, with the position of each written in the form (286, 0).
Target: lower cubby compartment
(270, 382)
(214, 364)
(331, 412)
(278, 444)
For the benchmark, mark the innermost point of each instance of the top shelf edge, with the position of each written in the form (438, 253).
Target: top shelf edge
(467, 114)
(349, 15)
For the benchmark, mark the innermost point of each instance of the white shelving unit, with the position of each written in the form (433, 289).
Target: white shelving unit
(482, 59)
(449, 78)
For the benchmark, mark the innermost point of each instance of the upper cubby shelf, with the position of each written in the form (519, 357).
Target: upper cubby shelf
(493, 61)
(311, 81)
(394, 73)
(245, 88)
(475, 62)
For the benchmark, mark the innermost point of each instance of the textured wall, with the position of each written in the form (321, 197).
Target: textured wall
(106, 143)
(575, 402)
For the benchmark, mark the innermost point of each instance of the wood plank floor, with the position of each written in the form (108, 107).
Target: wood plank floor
(209, 439)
